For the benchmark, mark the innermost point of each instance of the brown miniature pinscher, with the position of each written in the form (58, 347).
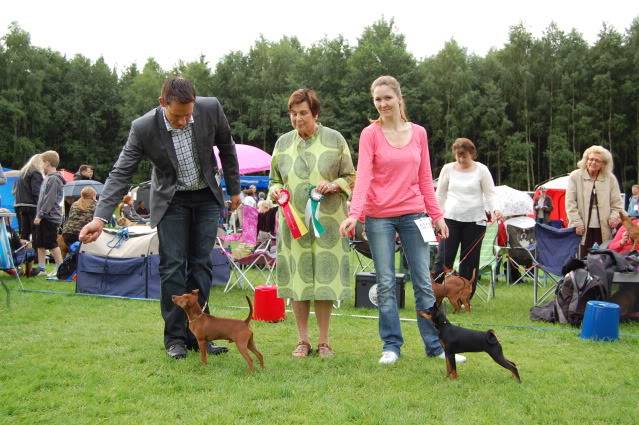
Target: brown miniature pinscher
(206, 327)
(456, 288)
(456, 339)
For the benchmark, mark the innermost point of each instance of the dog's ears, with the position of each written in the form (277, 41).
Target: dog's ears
(195, 291)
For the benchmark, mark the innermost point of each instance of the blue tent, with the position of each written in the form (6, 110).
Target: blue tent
(6, 196)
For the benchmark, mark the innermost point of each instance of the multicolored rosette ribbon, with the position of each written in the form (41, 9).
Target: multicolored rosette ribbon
(298, 229)
(312, 212)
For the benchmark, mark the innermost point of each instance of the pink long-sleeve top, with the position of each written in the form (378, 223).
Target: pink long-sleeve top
(393, 181)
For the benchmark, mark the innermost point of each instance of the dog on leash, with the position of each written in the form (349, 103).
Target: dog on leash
(456, 288)
(206, 328)
(456, 339)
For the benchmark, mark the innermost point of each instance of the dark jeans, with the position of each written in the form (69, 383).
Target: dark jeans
(186, 234)
(466, 234)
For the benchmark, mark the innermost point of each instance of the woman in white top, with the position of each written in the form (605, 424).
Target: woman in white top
(465, 191)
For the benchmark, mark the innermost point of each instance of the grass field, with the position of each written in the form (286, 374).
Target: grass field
(71, 359)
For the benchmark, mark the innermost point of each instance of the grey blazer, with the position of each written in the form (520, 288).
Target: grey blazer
(149, 139)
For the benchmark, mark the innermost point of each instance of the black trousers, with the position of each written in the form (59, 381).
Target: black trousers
(467, 235)
(25, 216)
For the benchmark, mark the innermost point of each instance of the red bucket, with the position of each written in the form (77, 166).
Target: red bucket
(266, 306)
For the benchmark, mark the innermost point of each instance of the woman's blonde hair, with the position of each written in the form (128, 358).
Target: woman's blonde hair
(393, 84)
(601, 151)
(33, 164)
(87, 198)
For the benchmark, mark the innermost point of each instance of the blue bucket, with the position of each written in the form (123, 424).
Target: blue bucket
(601, 321)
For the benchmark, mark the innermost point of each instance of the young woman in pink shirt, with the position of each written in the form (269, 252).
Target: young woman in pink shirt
(394, 187)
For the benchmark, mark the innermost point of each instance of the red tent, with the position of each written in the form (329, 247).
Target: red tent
(556, 189)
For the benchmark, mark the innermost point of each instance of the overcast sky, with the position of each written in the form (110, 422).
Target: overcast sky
(124, 32)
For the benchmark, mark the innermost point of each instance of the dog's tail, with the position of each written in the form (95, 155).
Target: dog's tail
(250, 315)
(472, 278)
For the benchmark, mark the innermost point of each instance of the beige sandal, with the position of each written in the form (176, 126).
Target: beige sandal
(302, 349)
(325, 351)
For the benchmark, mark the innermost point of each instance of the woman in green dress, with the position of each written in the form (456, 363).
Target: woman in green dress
(312, 268)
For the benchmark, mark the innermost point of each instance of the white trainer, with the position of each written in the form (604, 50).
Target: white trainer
(388, 357)
(458, 358)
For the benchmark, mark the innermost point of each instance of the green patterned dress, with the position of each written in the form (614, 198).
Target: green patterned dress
(311, 268)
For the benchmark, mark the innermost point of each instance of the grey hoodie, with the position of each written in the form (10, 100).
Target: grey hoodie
(50, 198)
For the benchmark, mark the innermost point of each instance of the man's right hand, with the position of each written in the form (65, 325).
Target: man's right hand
(580, 229)
(91, 231)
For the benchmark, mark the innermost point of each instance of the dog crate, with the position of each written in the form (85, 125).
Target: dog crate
(366, 290)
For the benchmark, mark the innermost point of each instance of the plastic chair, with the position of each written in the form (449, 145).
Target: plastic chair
(553, 249)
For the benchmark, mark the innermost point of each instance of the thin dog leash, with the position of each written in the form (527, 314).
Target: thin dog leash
(468, 251)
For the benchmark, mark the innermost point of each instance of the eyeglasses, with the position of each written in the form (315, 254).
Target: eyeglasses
(594, 160)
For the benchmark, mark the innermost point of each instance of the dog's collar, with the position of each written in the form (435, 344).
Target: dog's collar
(201, 313)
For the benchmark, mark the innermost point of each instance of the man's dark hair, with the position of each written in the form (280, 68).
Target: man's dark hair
(178, 89)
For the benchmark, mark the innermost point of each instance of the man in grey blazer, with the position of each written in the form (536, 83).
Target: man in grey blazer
(178, 138)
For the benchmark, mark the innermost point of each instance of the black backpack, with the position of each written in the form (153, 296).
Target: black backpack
(69, 264)
(574, 291)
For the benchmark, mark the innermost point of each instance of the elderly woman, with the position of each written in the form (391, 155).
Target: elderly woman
(593, 200)
(312, 268)
(80, 214)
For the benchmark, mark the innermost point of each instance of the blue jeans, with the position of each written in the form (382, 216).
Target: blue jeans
(186, 234)
(381, 238)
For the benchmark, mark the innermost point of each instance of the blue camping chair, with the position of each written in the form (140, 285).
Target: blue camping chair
(554, 247)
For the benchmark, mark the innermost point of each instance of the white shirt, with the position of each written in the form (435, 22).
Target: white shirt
(466, 195)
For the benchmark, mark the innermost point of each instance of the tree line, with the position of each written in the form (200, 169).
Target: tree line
(531, 107)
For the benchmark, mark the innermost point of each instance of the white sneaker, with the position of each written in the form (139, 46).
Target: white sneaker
(52, 275)
(458, 358)
(388, 357)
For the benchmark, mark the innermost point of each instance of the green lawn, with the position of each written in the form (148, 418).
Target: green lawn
(70, 359)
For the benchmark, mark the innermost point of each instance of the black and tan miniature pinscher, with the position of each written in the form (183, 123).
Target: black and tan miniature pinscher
(206, 327)
(456, 339)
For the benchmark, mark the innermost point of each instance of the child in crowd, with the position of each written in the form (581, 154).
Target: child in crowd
(49, 212)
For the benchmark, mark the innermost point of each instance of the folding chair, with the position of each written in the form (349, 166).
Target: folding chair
(248, 237)
(553, 249)
(520, 244)
(487, 263)
(359, 245)
(6, 255)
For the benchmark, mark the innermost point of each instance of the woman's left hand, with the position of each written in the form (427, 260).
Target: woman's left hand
(613, 222)
(326, 188)
(441, 228)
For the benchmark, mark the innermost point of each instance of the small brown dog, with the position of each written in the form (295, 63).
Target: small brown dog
(206, 327)
(456, 288)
